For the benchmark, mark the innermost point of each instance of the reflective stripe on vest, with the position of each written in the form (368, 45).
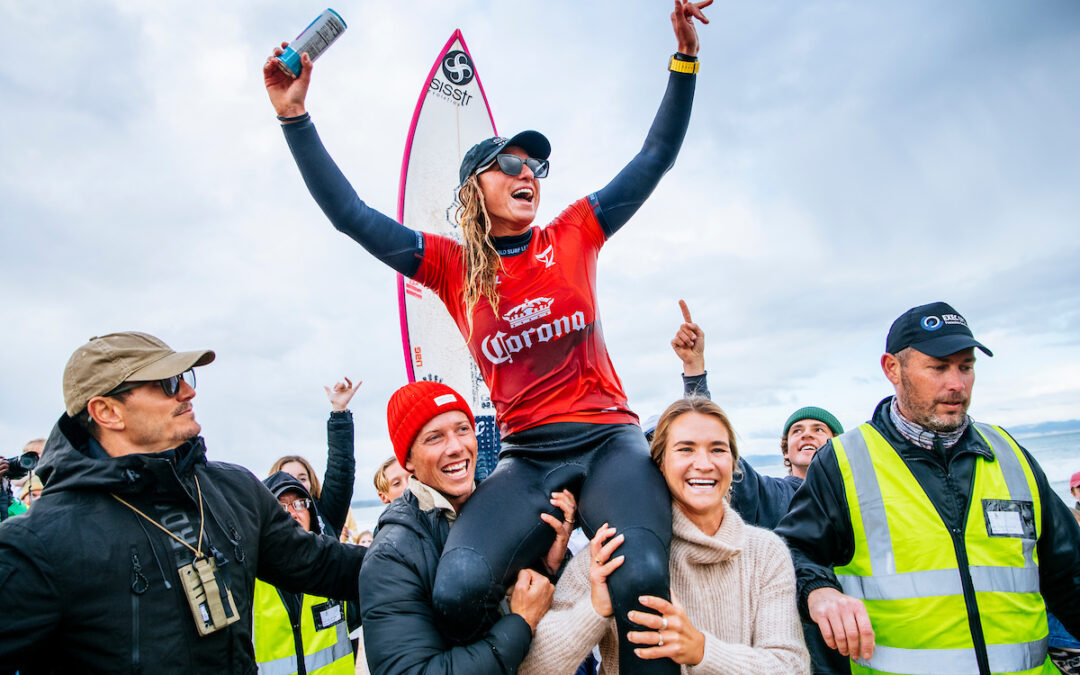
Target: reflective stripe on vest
(914, 593)
(328, 651)
(313, 662)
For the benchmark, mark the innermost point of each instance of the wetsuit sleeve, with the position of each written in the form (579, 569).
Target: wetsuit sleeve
(571, 627)
(1059, 554)
(27, 579)
(337, 486)
(817, 527)
(388, 240)
(620, 199)
(400, 635)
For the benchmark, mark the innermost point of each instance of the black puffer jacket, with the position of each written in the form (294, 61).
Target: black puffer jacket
(96, 586)
(818, 526)
(395, 603)
(337, 483)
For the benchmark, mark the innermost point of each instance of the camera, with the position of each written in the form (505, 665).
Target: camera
(19, 466)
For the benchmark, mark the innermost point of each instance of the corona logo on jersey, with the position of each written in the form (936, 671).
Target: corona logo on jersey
(529, 311)
(458, 71)
(500, 348)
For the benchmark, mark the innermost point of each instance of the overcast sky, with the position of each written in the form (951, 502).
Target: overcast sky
(845, 161)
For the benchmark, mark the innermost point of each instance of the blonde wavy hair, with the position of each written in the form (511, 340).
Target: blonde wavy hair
(482, 261)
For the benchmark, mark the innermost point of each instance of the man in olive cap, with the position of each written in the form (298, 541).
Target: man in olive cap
(927, 542)
(141, 555)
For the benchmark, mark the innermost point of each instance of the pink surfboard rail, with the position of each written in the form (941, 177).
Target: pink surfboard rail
(457, 36)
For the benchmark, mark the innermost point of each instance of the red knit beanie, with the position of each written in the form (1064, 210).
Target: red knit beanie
(413, 406)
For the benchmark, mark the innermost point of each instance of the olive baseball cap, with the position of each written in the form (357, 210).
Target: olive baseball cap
(106, 362)
(532, 142)
(936, 330)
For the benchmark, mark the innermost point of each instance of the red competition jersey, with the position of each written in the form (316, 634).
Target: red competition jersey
(544, 357)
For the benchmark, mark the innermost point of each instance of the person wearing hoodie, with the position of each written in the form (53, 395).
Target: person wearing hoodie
(141, 555)
(297, 633)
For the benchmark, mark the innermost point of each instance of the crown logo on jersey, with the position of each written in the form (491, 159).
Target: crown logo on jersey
(528, 311)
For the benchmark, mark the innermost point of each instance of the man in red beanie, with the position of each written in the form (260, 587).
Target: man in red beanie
(432, 430)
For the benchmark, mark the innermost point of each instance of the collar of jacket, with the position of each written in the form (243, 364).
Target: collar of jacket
(428, 498)
(970, 443)
(68, 464)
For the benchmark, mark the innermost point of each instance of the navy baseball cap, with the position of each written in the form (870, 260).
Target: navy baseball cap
(532, 142)
(935, 330)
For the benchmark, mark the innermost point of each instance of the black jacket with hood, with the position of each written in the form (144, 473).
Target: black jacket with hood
(400, 636)
(96, 587)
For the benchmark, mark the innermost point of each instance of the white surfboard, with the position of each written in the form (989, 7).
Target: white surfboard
(451, 116)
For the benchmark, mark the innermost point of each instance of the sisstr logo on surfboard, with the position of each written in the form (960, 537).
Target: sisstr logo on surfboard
(458, 71)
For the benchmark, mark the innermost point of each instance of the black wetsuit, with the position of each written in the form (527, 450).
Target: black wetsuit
(606, 465)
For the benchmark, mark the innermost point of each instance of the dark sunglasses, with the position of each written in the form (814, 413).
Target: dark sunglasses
(170, 385)
(511, 165)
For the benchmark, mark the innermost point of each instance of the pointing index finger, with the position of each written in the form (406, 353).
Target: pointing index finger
(685, 312)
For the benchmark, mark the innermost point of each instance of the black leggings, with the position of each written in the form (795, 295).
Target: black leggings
(499, 531)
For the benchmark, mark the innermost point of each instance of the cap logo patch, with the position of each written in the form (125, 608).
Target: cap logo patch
(954, 319)
(931, 323)
(445, 399)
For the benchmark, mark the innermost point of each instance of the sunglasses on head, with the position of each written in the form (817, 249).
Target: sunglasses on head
(170, 385)
(511, 165)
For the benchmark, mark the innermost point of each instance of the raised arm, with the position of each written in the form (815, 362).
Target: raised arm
(337, 485)
(689, 346)
(388, 240)
(616, 202)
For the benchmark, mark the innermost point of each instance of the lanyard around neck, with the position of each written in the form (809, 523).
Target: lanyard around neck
(197, 551)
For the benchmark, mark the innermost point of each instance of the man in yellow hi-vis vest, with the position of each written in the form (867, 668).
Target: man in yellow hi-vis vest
(294, 633)
(925, 542)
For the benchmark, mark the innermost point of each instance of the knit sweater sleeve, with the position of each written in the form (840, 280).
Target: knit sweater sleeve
(571, 628)
(777, 643)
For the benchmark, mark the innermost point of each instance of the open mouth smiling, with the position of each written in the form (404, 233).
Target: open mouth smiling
(701, 483)
(457, 470)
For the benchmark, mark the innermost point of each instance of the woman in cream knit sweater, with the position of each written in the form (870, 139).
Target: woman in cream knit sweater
(733, 585)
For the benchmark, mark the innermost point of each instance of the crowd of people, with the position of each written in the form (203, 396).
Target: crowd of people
(921, 541)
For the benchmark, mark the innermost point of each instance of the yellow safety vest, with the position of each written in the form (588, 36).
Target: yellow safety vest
(326, 651)
(906, 571)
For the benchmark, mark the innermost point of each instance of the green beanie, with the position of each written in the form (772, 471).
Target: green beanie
(812, 413)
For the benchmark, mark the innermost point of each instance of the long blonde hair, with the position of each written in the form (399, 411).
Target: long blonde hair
(482, 261)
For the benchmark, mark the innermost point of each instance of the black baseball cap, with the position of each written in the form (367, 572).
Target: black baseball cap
(281, 482)
(935, 330)
(532, 142)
